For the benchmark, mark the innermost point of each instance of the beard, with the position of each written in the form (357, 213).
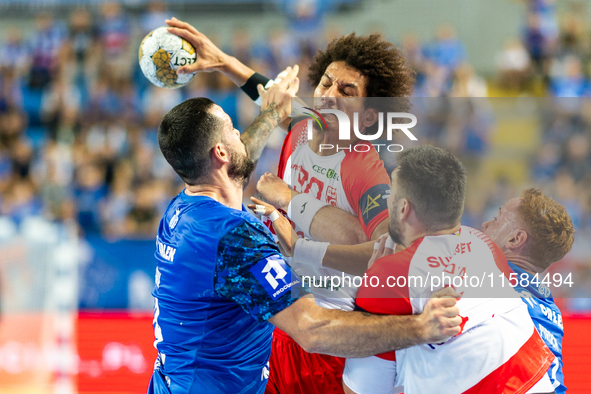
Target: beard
(395, 231)
(241, 166)
(394, 228)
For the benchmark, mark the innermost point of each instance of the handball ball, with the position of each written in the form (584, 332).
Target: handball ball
(161, 54)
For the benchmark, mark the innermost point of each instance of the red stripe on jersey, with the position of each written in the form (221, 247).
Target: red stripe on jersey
(521, 372)
(388, 300)
(298, 134)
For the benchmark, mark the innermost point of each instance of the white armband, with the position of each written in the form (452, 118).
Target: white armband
(302, 209)
(309, 252)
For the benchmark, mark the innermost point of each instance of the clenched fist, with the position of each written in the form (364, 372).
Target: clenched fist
(274, 191)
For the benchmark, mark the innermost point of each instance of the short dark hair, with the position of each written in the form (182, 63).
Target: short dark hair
(186, 135)
(434, 181)
(375, 58)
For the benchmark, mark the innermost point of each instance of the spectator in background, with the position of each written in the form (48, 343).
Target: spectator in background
(467, 83)
(535, 42)
(447, 51)
(413, 53)
(240, 45)
(89, 190)
(513, 65)
(114, 34)
(143, 216)
(572, 82)
(44, 48)
(21, 200)
(82, 34)
(117, 205)
(60, 106)
(306, 20)
(545, 163)
(156, 13)
(14, 54)
(568, 195)
(576, 159)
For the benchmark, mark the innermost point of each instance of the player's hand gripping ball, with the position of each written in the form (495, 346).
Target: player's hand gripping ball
(161, 54)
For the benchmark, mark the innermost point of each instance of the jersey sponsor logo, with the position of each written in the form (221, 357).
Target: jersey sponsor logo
(327, 172)
(374, 201)
(274, 275)
(175, 219)
(165, 251)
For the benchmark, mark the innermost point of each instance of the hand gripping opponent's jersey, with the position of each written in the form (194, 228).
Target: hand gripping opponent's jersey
(219, 278)
(498, 350)
(354, 181)
(547, 319)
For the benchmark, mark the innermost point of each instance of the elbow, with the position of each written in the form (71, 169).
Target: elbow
(348, 238)
(311, 343)
(308, 335)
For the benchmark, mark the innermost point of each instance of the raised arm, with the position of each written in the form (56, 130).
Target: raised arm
(361, 334)
(275, 108)
(209, 57)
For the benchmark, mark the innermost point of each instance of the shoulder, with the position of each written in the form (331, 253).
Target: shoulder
(386, 290)
(362, 154)
(245, 232)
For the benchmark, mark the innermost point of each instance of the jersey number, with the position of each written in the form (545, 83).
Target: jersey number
(305, 184)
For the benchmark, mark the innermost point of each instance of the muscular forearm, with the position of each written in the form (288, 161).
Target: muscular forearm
(331, 224)
(360, 334)
(255, 136)
(286, 235)
(351, 259)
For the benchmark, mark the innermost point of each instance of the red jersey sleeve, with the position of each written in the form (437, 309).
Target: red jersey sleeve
(367, 186)
(384, 292)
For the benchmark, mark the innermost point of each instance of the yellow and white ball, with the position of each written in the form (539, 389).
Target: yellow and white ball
(161, 53)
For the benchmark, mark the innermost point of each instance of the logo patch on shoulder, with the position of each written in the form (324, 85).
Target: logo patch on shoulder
(175, 219)
(274, 275)
(374, 201)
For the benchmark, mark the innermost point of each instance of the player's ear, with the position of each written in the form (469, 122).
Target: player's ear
(404, 208)
(370, 116)
(517, 240)
(220, 153)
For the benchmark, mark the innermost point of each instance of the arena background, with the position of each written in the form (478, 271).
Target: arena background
(83, 184)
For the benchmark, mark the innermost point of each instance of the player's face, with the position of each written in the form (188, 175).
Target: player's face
(505, 224)
(394, 226)
(241, 166)
(340, 88)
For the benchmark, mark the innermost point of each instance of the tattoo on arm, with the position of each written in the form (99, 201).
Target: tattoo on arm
(255, 136)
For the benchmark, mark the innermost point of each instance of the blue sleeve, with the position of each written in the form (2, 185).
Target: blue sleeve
(251, 272)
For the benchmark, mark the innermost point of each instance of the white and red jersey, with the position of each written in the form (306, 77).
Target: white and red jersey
(498, 350)
(353, 181)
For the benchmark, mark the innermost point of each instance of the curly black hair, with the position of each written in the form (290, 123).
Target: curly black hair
(375, 58)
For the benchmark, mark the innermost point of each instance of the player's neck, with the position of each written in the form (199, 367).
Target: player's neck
(409, 239)
(523, 263)
(228, 193)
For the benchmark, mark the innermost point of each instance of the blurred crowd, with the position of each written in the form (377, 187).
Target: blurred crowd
(78, 120)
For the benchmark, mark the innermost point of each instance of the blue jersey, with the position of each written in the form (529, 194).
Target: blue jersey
(219, 278)
(547, 319)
